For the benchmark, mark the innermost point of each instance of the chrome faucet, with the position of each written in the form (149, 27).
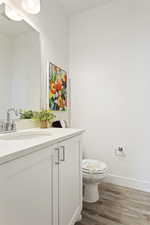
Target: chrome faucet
(9, 125)
(9, 111)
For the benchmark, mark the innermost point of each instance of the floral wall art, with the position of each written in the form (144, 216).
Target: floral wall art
(57, 88)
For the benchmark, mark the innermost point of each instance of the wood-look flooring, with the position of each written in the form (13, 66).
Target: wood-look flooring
(117, 206)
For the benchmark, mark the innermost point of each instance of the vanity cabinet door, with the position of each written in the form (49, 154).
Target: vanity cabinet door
(26, 190)
(70, 185)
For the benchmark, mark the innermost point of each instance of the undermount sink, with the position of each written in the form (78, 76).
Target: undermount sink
(28, 135)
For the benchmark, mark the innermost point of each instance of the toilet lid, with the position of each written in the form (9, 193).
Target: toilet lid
(93, 166)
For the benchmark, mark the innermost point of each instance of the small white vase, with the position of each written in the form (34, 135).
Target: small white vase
(23, 124)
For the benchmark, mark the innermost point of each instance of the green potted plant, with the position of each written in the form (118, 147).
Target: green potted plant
(44, 116)
(24, 114)
(26, 120)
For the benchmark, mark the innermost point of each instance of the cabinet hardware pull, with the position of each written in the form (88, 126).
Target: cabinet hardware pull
(63, 158)
(57, 156)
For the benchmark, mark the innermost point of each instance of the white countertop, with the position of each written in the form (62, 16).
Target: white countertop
(13, 149)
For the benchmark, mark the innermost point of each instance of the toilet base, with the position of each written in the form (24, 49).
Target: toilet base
(91, 193)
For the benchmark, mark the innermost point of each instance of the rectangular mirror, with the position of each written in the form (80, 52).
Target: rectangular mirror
(20, 65)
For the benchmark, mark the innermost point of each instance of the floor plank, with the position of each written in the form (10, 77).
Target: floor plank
(117, 206)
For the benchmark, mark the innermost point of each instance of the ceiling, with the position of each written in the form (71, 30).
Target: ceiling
(75, 6)
(10, 27)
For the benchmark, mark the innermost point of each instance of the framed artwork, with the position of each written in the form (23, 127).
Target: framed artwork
(57, 88)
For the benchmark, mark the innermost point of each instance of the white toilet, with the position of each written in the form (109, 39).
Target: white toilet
(93, 172)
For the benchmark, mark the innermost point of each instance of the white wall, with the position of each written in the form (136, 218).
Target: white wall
(5, 75)
(53, 27)
(110, 69)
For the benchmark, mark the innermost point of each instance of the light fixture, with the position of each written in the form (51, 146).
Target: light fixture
(12, 14)
(31, 6)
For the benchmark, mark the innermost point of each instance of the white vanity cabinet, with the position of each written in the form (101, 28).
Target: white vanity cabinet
(44, 187)
(70, 191)
(26, 190)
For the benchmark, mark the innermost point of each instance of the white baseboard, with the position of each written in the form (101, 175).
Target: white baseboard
(129, 182)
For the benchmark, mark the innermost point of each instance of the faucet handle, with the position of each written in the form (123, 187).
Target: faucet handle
(13, 125)
(7, 126)
(1, 126)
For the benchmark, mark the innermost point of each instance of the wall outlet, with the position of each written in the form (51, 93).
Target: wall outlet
(120, 152)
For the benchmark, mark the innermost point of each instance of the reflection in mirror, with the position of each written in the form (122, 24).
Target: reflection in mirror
(20, 66)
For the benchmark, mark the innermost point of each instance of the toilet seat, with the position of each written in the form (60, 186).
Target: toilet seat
(91, 166)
